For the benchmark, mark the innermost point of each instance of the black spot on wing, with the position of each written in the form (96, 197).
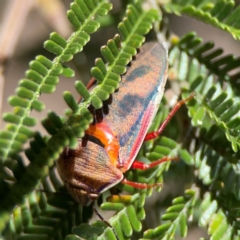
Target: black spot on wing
(138, 72)
(128, 103)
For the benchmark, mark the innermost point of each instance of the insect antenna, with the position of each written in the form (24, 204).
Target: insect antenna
(101, 217)
(106, 222)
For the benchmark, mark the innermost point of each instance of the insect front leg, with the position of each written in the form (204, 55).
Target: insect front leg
(155, 134)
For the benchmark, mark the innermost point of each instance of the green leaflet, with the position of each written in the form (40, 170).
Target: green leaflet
(221, 13)
(176, 217)
(203, 72)
(42, 77)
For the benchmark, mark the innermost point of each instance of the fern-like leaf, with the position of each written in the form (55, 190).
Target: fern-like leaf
(118, 54)
(46, 215)
(215, 102)
(176, 217)
(215, 218)
(127, 220)
(42, 153)
(215, 111)
(218, 169)
(221, 13)
(43, 75)
(209, 151)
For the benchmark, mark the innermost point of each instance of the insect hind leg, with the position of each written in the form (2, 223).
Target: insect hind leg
(143, 166)
(150, 136)
(140, 185)
(155, 134)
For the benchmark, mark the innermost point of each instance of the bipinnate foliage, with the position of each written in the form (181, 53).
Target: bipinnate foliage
(208, 147)
(222, 14)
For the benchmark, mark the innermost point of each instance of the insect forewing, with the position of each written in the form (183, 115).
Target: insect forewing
(137, 100)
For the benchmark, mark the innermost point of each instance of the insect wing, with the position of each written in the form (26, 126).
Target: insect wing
(137, 100)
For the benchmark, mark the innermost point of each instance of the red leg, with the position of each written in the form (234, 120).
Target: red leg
(150, 136)
(144, 166)
(155, 134)
(140, 185)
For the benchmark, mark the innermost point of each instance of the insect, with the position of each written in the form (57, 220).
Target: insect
(114, 139)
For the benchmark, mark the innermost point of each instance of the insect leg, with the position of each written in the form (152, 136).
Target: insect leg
(106, 222)
(140, 185)
(155, 134)
(100, 216)
(144, 166)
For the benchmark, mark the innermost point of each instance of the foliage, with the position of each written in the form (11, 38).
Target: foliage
(208, 147)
